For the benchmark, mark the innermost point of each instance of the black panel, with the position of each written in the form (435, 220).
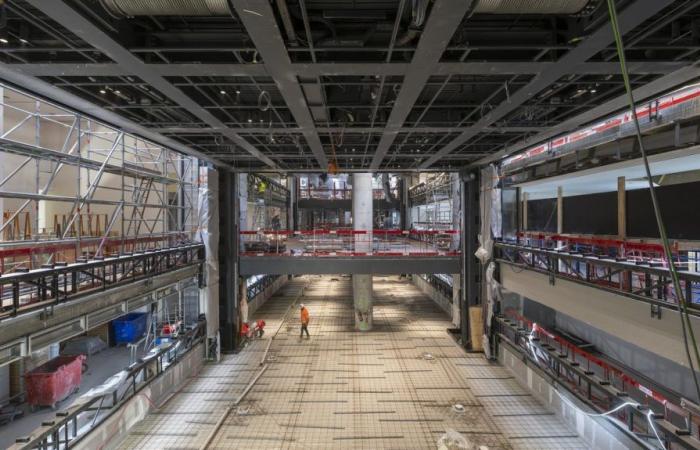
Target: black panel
(679, 209)
(591, 214)
(542, 215)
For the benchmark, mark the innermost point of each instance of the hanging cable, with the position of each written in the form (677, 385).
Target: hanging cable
(686, 325)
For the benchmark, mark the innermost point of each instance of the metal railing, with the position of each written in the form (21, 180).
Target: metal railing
(347, 242)
(640, 277)
(340, 194)
(637, 406)
(79, 419)
(260, 285)
(60, 282)
(438, 283)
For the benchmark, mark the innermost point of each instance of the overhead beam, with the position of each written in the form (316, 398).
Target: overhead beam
(630, 18)
(344, 69)
(346, 130)
(59, 11)
(444, 19)
(259, 20)
(654, 88)
(65, 98)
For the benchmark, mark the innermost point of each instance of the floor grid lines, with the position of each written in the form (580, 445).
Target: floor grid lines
(345, 389)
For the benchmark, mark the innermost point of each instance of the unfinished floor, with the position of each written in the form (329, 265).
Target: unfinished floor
(392, 388)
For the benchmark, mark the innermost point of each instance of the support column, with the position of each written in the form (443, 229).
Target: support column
(524, 212)
(362, 215)
(560, 210)
(209, 226)
(621, 208)
(229, 216)
(471, 327)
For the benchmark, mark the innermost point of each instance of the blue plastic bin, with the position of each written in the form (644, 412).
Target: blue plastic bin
(129, 328)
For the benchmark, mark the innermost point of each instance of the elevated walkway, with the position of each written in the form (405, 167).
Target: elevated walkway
(321, 252)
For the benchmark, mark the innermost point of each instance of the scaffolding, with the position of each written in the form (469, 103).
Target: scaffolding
(73, 187)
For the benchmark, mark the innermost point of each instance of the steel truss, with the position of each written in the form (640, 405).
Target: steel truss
(79, 187)
(643, 279)
(27, 290)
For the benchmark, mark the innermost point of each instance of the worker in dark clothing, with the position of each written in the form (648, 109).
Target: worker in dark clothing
(304, 313)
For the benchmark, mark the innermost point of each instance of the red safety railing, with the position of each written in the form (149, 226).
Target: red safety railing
(619, 247)
(340, 193)
(348, 242)
(596, 364)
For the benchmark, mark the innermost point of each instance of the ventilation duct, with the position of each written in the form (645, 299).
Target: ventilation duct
(535, 6)
(130, 8)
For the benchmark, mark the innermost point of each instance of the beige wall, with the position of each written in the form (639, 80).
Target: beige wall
(620, 316)
(53, 134)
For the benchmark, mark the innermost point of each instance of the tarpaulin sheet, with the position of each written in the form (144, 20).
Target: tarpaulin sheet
(208, 232)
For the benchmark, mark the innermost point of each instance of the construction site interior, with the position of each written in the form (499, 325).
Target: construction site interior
(379, 224)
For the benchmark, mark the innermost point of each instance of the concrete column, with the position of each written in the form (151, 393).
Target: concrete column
(362, 220)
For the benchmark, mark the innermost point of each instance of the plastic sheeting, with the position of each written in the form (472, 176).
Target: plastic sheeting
(491, 228)
(208, 232)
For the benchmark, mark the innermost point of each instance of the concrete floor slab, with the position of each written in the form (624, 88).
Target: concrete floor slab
(393, 388)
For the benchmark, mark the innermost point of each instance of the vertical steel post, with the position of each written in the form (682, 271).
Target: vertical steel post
(471, 267)
(228, 259)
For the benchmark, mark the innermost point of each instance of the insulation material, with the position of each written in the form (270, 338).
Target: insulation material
(208, 232)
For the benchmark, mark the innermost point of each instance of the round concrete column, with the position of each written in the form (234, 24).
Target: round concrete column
(362, 219)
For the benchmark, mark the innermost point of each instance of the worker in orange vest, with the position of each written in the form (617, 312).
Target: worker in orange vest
(304, 320)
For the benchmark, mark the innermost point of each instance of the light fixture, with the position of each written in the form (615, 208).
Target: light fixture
(593, 90)
(250, 120)
(103, 91)
(353, 150)
(23, 41)
(117, 92)
(238, 91)
(222, 92)
(4, 41)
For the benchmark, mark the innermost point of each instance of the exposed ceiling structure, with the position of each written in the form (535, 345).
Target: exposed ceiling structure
(383, 85)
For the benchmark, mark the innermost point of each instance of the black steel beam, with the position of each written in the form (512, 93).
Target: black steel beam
(59, 11)
(385, 265)
(629, 18)
(259, 20)
(310, 70)
(654, 88)
(471, 267)
(228, 256)
(445, 17)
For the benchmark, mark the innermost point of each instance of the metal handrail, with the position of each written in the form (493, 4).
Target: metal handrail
(66, 430)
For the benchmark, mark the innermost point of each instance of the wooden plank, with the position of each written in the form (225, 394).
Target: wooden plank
(621, 208)
(476, 327)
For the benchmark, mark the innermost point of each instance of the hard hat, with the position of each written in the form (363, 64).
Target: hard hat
(301, 306)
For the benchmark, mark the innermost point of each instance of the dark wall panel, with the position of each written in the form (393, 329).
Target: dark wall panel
(542, 215)
(679, 208)
(591, 214)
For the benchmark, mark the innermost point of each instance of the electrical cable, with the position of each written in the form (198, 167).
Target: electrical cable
(686, 325)
(533, 348)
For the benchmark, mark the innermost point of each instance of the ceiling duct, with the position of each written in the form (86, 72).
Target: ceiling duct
(130, 8)
(535, 6)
